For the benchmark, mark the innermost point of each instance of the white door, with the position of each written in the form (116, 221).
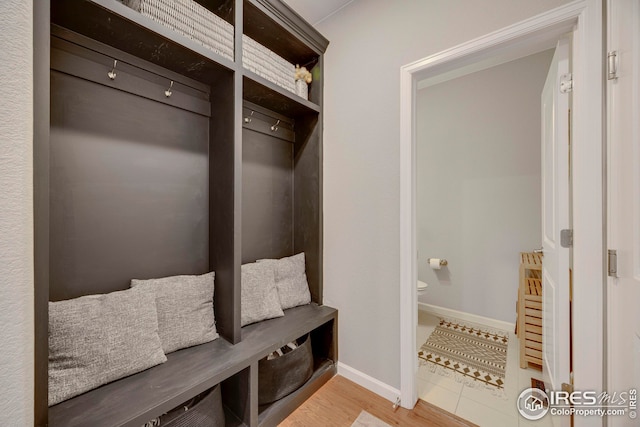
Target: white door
(623, 108)
(555, 217)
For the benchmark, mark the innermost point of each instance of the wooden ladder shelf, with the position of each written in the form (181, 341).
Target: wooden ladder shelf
(530, 310)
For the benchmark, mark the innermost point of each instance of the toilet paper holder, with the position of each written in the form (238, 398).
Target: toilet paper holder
(443, 261)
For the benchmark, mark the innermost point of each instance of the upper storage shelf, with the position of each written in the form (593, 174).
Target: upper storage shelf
(298, 43)
(275, 26)
(282, 32)
(119, 26)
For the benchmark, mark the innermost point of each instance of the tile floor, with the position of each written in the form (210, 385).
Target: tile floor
(477, 405)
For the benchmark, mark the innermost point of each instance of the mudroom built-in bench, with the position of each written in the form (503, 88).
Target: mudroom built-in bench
(172, 148)
(141, 397)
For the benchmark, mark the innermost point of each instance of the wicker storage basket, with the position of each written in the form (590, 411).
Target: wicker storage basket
(283, 375)
(204, 410)
(191, 20)
(267, 64)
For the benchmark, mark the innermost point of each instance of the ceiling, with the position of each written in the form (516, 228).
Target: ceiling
(315, 11)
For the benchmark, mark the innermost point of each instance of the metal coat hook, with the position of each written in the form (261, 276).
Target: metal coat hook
(248, 119)
(168, 92)
(112, 74)
(275, 127)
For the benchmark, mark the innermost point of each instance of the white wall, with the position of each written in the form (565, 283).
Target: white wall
(16, 214)
(479, 181)
(370, 41)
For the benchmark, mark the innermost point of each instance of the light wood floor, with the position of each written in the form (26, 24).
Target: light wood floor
(339, 402)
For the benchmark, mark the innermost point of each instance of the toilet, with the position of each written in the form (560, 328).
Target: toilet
(422, 287)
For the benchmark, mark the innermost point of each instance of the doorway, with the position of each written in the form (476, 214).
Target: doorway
(583, 18)
(479, 204)
(479, 184)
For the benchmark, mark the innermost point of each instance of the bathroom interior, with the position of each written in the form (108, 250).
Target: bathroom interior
(478, 206)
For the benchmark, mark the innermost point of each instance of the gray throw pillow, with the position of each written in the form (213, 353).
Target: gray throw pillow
(259, 297)
(185, 309)
(96, 339)
(291, 280)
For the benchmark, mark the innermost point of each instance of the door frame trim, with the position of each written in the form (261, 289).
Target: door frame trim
(584, 19)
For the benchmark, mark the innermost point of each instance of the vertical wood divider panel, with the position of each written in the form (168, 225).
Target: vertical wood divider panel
(308, 199)
(237, 396)
(253, 414)
(224, 205)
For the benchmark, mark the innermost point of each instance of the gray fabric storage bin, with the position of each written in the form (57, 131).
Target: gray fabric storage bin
(283, 375)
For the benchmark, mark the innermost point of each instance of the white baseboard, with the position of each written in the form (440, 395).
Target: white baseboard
(473, 318)
(368, 382)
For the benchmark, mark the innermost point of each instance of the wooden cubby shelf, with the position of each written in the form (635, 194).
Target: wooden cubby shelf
(121, 27)
(202, 190)
(275, 26)
(260, 91)
(272, 414)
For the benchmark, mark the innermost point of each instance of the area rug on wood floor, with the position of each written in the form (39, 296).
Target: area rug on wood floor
(365, 419)
(473, 354)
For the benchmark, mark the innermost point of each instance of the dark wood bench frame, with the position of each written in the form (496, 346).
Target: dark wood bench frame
(232, 359)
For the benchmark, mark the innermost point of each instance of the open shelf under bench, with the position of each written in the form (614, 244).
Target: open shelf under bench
(134, 400)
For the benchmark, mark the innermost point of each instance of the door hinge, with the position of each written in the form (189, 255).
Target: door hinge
(567, 387)
(612, 262)
(566, 238)
(566, 83)
(612, 65)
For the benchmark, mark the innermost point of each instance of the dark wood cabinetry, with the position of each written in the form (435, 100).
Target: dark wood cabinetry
(102, 145)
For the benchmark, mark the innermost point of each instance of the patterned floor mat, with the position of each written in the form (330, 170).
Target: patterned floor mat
(470, 351)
